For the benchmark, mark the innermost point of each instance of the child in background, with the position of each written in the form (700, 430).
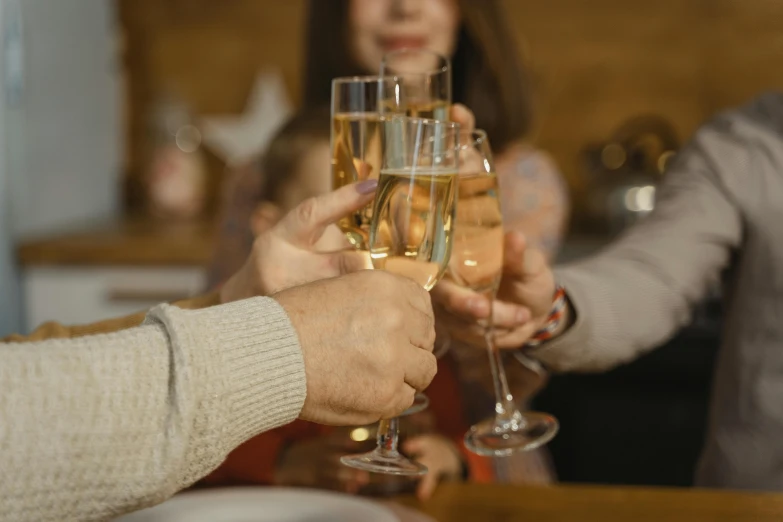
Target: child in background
(296, 167)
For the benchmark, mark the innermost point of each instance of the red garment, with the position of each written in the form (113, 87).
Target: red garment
(254, 461)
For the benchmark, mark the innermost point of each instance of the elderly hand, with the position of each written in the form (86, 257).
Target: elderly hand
(367, 340)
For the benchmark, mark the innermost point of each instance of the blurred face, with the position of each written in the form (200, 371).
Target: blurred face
(380, 26)
(312, 177)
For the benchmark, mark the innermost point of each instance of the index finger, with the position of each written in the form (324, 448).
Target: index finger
(420, 368)
(461, 301)
(421, 329)
(306, 223)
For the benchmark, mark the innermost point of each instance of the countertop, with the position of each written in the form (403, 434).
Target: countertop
(130, 242)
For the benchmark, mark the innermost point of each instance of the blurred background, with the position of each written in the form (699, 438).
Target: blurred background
(123, 120)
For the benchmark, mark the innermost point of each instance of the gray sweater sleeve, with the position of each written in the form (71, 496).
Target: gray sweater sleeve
(638, 292)
(93, 427)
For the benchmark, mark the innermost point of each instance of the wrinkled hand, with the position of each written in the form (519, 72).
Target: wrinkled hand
(523, 302)
(441, 457)
(288, 255)
(367, 340)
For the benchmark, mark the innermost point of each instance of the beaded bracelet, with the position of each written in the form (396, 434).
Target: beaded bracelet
(552, 321)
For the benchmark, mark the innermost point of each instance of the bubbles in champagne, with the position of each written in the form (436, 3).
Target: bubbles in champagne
(412, 232)
(477, 250)
(356, 156)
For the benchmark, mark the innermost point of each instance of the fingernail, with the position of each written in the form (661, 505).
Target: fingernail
(367, 186)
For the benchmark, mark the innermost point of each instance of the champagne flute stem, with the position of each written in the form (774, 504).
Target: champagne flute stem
(388, 436)
(506, 411)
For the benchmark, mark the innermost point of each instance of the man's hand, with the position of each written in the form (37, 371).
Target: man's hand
(367, 341)
(289, 253)
(523, 302)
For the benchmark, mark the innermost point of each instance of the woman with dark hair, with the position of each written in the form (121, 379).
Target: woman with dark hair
(488, 74)
(349, 37)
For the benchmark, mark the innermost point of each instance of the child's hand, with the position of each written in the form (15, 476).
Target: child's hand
(441, 457)
(316, 463)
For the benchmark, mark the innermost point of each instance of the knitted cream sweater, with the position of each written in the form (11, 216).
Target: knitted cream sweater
(93, 427)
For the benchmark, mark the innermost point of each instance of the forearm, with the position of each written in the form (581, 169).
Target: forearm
(54, 330)
(615, 313)
(637, 293)
(145, 412)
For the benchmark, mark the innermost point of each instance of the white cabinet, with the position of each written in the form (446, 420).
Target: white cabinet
(78, 295)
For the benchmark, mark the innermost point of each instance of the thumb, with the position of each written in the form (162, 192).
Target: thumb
(305, 224)
(520, 261)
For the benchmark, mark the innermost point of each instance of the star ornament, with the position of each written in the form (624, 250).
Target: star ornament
(240, 139)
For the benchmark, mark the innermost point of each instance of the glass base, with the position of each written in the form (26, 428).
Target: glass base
(526, 431)
(420, 403)
(391, 463)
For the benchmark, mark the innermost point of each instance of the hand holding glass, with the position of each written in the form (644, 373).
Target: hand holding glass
(476, 264)
(411, 234)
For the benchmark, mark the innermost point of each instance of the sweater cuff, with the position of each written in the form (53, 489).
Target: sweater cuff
(558, 354)
(245, 360)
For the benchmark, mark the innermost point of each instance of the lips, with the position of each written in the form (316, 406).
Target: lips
(403, 42)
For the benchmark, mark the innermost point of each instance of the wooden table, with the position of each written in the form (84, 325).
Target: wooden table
(497, 503)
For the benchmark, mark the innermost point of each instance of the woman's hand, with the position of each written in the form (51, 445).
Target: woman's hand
(287, 254)
(441, 457)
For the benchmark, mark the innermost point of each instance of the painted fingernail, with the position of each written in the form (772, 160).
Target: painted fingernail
(367, 186)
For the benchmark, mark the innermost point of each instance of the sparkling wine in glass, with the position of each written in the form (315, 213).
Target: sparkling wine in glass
(411, 235)
(476, 264)
(357, 104)
(424, 82)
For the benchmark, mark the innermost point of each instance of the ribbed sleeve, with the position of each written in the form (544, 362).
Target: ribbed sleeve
(93, 427)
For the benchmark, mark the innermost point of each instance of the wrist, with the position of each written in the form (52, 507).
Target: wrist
(567, 320)
(558, 320)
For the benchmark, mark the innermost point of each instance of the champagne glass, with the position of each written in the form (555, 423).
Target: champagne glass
(357, 103)
(424, 91)
(476, 263)
(424, 80)
(410, 234)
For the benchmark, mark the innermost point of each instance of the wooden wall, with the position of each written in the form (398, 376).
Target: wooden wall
(596, 62)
